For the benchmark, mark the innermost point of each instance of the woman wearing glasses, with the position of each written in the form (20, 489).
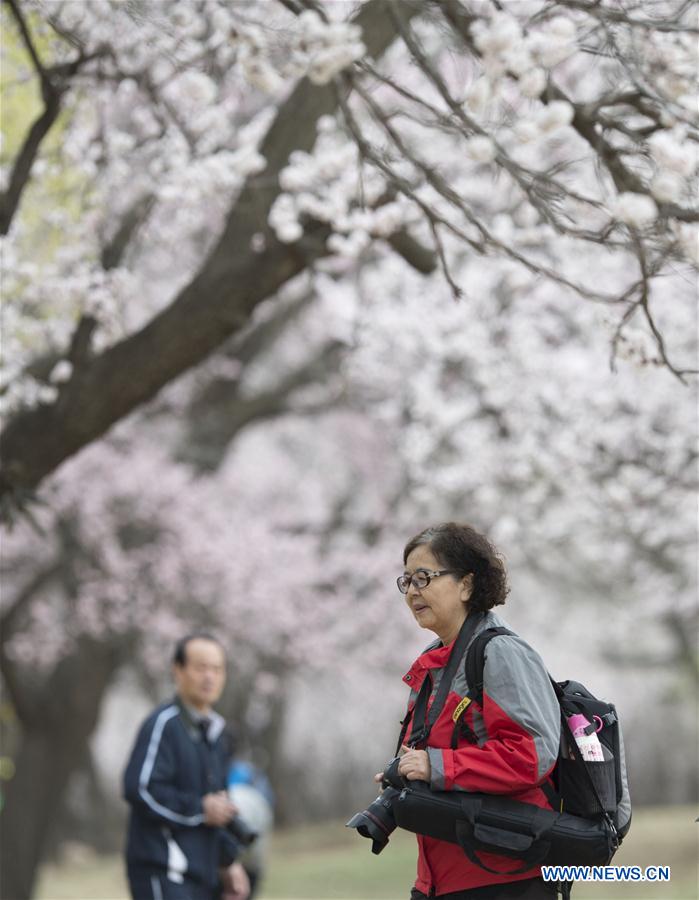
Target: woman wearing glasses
(508, 745)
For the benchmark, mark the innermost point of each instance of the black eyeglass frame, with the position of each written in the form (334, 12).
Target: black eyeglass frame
(404, 581)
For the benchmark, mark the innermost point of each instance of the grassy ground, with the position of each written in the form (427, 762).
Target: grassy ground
(329, 862)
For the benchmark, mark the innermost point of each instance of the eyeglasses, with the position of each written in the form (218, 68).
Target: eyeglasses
(419, 579)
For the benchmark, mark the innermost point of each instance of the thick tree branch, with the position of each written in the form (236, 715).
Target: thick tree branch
(255, 340)
(80, 342)
(40, 367)
(214, 305)
(9, 199)
(113, 251)
(421, 258)
(220, 413)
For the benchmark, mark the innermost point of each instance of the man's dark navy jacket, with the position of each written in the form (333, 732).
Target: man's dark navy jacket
(171, 768)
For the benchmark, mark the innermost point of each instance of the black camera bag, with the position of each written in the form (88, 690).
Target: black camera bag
(483, 823)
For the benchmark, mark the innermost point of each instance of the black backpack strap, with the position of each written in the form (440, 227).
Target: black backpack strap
(422, 719)
(462, 730)
(475, 661)
(419, 712)
(553, 797)
(403, 729)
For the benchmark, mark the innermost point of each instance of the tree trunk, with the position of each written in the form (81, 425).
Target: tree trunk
(52, 748)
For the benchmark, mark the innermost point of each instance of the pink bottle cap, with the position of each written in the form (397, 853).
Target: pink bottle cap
(579, 721)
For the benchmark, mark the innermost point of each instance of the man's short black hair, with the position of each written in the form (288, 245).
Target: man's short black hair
(179, 657)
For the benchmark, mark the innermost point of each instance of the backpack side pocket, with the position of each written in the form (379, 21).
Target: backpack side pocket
(576, 778)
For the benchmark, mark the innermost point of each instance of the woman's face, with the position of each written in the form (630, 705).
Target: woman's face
(441, 606)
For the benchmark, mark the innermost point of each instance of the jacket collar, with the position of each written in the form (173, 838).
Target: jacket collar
(191, 720)
(436, 655)
(433, 657)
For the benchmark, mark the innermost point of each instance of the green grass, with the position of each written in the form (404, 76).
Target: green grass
(329, 862)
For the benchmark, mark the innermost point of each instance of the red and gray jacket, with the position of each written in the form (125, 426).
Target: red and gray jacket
(507, 746)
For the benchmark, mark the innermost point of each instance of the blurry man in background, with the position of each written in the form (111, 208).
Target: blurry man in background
(175, 782)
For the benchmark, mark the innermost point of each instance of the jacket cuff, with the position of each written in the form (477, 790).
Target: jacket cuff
(440, 768)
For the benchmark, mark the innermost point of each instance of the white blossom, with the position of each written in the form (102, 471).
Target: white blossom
(261, 74)
(533, 82)
(688, 239)
(667, 187)
(61, 372)
(478, 96)
(498, 36)
(296, 177)
(387, 219)
(283, 218)
(636, 210)
(192, 90)
(554, 42)
(527, 130)
(322, 49)
(289, 232)
(350, 245)
(247, 161)
(555, 115)
(481, 148)
(562, 28)
(326, 124)
(671, 150)
(519, 60)
(47, 394)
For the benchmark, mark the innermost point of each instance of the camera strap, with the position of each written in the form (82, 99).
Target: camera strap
(422, 719)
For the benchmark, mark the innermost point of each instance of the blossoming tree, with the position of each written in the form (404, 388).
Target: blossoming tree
(268, 192)
(580, 114)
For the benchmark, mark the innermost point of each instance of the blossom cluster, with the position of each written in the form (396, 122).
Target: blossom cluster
(326, 186)
(312, 48)
(506, 48)
(166, 121)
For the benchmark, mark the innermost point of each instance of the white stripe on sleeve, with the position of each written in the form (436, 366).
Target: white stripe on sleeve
(147, 770)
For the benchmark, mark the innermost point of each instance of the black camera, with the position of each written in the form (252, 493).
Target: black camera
(377, 821)
(241, 831)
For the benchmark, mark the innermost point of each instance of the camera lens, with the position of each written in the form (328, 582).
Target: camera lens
(241, 831)
(377, 822)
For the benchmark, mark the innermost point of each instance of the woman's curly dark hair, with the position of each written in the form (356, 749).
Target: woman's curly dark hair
(465, 550)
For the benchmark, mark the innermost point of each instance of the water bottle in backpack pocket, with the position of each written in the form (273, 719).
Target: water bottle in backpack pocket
(590, 771)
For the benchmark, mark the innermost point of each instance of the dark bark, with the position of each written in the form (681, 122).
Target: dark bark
(52, 747)
(9, 199)
(216, 304)
(113, 252)
(221, 412)
(88, 814)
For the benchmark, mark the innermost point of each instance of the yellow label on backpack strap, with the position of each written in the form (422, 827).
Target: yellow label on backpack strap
(460, 708)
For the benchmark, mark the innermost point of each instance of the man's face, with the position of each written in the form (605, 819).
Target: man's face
(202, 677)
